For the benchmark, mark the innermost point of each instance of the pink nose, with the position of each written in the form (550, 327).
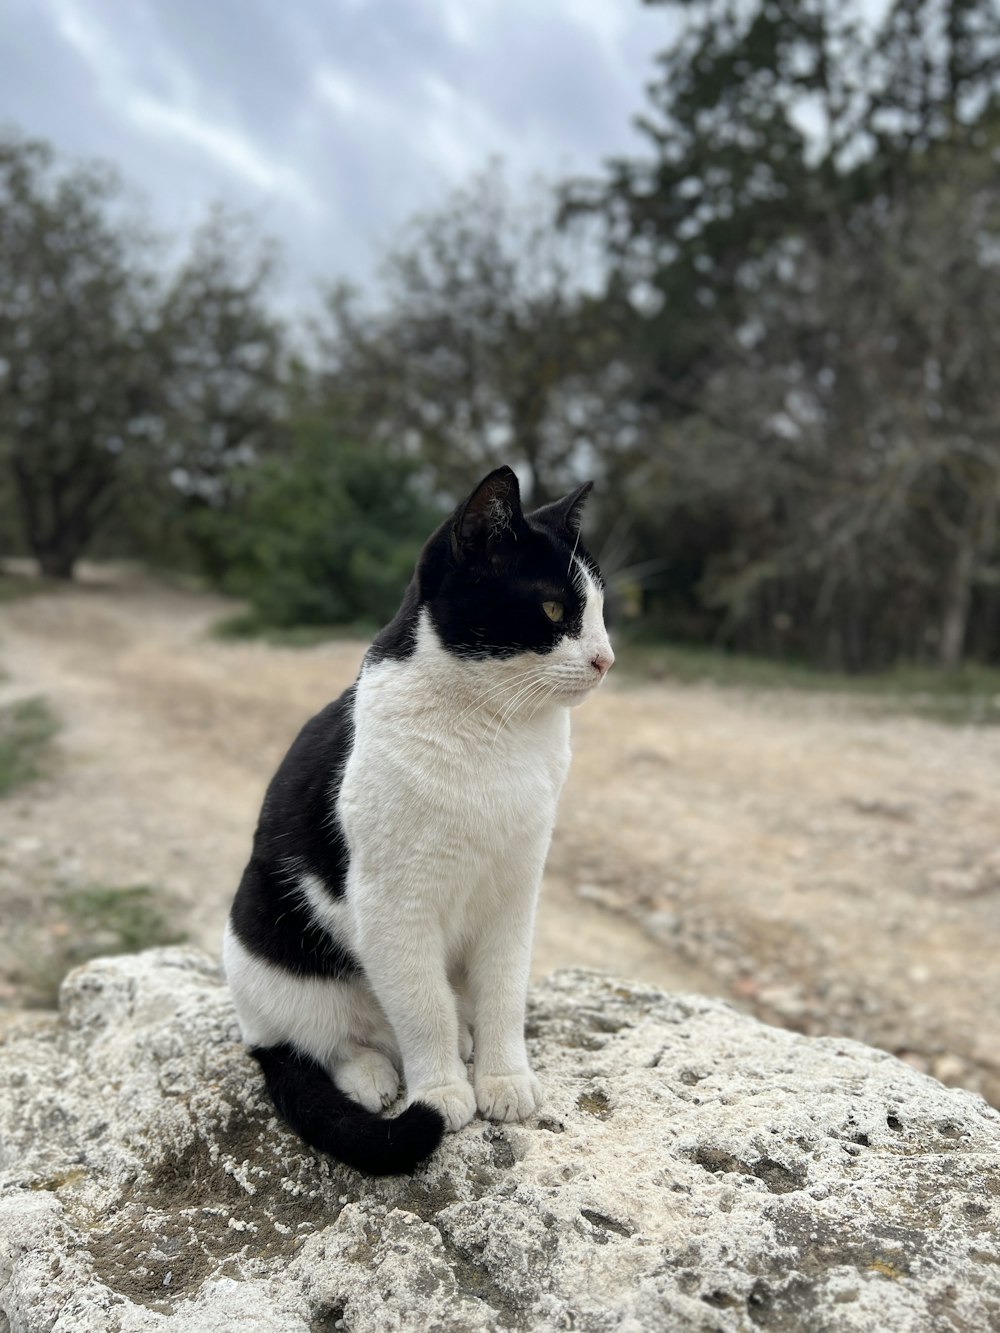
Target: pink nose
(603, 662)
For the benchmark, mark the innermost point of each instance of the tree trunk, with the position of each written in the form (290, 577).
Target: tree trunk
(958, 598)
(56, 564)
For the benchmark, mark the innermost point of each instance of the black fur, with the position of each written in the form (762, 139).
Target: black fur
(315, 1108)
(298, 833)
(485, 573)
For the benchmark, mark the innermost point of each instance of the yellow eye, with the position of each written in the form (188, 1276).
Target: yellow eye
(554, 610)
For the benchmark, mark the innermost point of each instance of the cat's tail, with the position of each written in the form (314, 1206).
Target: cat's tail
(309, 1101)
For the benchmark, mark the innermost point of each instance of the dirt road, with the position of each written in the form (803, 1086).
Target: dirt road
(829, 869)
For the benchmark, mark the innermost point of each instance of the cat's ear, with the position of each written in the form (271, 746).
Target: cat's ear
(565, 515)
(490, 518)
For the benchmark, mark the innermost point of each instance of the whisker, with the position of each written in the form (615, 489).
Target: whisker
(496, 691)
(572, 554)
(514, 704)
(511, 706)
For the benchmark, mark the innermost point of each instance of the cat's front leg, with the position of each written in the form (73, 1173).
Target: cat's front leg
(402, 953)
(506, 1087)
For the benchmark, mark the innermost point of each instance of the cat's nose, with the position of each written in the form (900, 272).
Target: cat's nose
(603, 662)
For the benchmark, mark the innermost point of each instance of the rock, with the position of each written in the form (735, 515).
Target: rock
(691, 1169)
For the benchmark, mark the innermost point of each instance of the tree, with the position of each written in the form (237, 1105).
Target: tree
(804, 266)
(225, 354)
(767, 122)
(225, 360)
(327, 533)
(481, 349)
(78, 383)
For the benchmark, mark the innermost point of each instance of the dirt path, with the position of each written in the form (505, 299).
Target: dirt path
(828, 869)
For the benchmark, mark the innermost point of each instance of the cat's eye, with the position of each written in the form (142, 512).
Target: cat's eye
(554, 610)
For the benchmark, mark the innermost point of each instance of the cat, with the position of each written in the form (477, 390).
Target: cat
(384, 921)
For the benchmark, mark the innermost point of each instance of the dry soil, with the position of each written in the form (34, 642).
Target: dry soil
(829, 868)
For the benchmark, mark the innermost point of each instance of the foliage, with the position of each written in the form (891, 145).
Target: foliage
(807, 264)
(126, 398)
(327, 534)
(770, 336)
(481, 351)
(225, 364)
(97, 921)
(26, 727)
(117, 920)
(78, 374)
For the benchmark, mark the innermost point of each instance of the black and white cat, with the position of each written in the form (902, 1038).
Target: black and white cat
(384, 921)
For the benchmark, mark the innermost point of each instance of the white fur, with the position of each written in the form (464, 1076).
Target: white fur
(447, 802)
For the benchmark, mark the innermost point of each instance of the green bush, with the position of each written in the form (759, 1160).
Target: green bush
(327, 535)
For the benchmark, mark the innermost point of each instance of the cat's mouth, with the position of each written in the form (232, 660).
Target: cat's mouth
(575, 694)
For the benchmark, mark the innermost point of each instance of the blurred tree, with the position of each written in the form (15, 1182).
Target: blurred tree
(127, 400)
(326, 534)
(875, 532)
(482, 349)
(769, 120)
(225, 360)
(811, 452)
(78, 373)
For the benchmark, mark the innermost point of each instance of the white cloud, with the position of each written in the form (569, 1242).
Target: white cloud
(333, 120)
(226, 147)
(122, 87)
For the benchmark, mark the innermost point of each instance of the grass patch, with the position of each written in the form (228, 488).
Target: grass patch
(14, 587)
(26, 727)
(119, 920)
(964, 695)
(96, 922)
(247, 625)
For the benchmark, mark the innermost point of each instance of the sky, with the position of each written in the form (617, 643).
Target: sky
(329, 121)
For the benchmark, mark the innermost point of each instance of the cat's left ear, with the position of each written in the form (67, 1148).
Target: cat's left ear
(491, 516)
(565, 515)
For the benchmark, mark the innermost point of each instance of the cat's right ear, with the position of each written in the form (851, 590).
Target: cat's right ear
(565, 515)
(490, 518)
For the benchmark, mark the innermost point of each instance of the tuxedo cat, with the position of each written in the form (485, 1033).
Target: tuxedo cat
(384, 921)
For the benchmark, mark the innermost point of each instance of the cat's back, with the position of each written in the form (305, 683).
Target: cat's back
(302, 790)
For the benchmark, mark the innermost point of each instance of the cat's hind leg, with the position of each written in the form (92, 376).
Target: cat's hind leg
(368, 1077)
(335, 1021)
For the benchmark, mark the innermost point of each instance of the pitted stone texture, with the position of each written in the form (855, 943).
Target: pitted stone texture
(691, 1169)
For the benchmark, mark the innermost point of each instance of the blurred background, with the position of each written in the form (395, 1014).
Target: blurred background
(278, 284)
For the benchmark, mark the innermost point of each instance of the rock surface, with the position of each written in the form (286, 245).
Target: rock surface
(692, 1169)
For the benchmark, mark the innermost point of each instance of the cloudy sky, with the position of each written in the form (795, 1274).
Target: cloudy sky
(330, 120)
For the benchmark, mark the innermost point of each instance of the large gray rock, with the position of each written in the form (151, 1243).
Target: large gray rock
(692, 1169)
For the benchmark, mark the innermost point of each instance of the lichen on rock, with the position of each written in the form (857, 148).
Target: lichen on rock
(691, 1169)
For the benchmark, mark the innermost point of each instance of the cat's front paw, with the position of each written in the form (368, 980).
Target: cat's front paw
(508, 1096)
(455, 1101)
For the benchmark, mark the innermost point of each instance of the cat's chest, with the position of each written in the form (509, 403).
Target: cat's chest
(429, 771)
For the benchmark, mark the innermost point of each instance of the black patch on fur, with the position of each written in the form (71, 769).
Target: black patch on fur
(399, 638)
(326, 1118)
(298, 833)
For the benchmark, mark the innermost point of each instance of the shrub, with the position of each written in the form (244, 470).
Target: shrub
(326, 535)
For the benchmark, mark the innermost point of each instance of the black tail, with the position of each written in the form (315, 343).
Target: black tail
(329, 1120)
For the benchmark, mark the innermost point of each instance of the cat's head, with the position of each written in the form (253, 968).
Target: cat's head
(519, 590)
